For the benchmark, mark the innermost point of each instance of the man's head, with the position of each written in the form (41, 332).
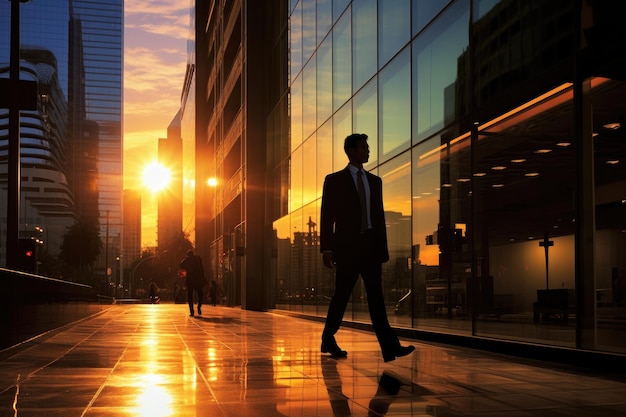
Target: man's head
(357, 149)
(189, 253)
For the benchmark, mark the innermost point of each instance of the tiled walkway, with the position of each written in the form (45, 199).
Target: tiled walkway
(156, 361)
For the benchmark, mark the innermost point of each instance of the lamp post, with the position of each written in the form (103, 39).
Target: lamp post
(132, 274)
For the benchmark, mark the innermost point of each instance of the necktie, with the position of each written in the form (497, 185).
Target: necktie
(361, 188)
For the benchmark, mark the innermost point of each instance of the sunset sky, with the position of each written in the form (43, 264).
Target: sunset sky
(155, 54)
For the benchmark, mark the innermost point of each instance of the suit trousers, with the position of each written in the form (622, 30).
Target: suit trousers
(198, 289)
(347, 273)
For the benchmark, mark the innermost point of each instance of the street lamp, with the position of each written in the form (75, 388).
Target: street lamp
(132, 274)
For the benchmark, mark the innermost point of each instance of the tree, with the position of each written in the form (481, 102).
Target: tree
(161, 267)
(80, 249)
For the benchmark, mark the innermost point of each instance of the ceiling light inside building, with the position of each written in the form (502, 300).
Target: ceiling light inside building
(612, 126)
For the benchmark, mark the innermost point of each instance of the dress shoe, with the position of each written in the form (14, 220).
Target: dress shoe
(398, 353)
(199, 311)
(334, 350)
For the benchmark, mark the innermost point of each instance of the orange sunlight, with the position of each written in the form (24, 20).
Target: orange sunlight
(156, 177)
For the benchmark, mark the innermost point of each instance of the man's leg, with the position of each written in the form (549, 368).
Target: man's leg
(372, 278)
(190, 299)
(345, 279)
(200, 298)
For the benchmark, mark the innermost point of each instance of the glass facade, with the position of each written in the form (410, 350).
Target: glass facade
(102, 31)
(503, 185)
(84, 38)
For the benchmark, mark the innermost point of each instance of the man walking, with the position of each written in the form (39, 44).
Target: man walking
(195, 280)
(353, 239)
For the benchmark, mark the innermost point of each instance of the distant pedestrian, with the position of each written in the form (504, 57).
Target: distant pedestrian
(195, 280)
(213, 292)
(152, 291)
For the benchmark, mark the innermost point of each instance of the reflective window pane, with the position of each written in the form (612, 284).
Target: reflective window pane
(436, 56)
(296, 113)
(342, 127)
(324, 152)
(342, 61)
(309, 98)
(295, 41)
(396, 177)
(308, 29)
(309, 166)
(395, 105)
(394, 28)
(364, 65)
(524, 203)
(365, 114)
(324, 18)
(324, 81)
(295, 189)
(423, 11)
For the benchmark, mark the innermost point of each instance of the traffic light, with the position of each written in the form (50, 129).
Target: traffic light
(27, 255)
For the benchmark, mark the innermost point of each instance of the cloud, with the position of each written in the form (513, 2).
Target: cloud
(158, 17)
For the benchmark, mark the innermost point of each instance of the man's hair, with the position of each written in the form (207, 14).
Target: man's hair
(352, 140)
(189, 253)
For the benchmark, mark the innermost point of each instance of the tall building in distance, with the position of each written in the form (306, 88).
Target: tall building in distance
(132, 227)
(102, 34)
(83, 43)
(170, 203)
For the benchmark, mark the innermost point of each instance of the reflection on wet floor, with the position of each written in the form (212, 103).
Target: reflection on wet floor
(156, 361)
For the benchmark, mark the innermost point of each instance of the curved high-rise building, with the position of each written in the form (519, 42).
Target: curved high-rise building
(85, 37)
(47, 204)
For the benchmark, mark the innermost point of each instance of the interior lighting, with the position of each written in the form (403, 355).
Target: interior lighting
(612, 126)
(613, 161)
(543, 151)
(564, 144)
(446, 185)
(497, 185)
(518, 161)
(498, 168)
(463, 179)
(531, 174)
(480, 174)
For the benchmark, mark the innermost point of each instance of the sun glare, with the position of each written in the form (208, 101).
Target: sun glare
(156, 177)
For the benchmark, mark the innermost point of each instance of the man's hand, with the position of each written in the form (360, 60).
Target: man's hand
(329, 261)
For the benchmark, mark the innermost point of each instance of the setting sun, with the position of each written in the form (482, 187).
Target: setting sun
(156, 177)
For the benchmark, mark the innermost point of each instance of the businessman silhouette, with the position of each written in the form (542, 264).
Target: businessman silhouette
(353, 239)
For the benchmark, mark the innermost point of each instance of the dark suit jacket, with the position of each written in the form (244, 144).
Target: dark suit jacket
(195, 271)
(340, 218)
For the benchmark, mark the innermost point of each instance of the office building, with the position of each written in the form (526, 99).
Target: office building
(170, 205)
(84, 37)
(497, 128)
(46, 201)
(132, 227)
(225, 87)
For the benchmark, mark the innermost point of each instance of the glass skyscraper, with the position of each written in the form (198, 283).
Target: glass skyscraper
(498, 130)
(85, 38)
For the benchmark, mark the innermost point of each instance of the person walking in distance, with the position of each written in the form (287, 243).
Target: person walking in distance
(353, 240)
(195, 279)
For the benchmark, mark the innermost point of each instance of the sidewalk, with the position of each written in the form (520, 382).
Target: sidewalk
(156, 361)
